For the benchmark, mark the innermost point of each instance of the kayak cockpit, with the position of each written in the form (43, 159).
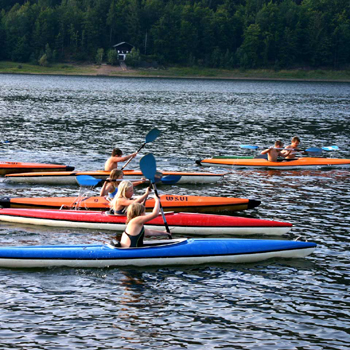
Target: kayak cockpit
(152, 244)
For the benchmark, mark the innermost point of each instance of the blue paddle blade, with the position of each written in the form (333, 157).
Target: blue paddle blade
(249, 146)
(314, 150)
(148, 167)
(87, 180)
(152, 135)
(171, 179)
(331, 148)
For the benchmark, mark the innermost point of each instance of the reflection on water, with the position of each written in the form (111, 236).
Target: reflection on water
(282, 304)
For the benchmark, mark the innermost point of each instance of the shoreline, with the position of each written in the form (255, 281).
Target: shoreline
(106, 71)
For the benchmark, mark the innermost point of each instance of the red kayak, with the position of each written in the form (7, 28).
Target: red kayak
(18, 167)
(182, 223)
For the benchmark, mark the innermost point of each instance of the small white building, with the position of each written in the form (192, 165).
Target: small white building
(123, 50)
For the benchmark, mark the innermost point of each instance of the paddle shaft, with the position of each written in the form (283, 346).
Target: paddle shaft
(161, 209)
(129, 160)
(150, 137)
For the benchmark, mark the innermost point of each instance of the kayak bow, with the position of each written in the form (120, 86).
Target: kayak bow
(300, 163)
(18, 167)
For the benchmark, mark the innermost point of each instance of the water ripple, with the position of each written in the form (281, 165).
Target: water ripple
(282, 304)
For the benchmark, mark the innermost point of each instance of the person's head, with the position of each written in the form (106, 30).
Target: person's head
(134, 210)
(116, 174)
(279, 144)
(117, 152)
(295, 141)
(125, 190)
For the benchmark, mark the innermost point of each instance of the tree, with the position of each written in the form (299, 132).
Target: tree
(43, 61)
(134, 58)
(112, 57)
(250, 50)
(99, 56)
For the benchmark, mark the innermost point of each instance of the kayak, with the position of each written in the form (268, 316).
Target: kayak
(154, 253)
(70, 178)
(233, 157)
(179, 223)
(300, 163)
(18, 167)
(169, 202)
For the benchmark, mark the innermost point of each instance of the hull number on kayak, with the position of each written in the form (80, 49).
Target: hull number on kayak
(176, 198)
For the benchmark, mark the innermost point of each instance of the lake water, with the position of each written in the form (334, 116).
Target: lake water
(279, 304)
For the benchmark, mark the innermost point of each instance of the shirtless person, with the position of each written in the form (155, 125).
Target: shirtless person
(117, 156)
(294, 148)
(276, 151)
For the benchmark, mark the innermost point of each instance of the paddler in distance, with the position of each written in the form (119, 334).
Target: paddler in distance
(116, 157)
(276, 151)
(294, 148)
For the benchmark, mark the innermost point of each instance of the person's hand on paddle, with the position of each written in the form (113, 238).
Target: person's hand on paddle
(148, 190)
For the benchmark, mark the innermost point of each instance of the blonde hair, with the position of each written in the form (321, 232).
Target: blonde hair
(134, 210)
(122, 188)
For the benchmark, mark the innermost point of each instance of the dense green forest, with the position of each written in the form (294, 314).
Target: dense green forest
(210, 33)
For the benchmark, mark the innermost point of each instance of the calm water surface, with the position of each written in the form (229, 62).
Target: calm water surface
(282, 304)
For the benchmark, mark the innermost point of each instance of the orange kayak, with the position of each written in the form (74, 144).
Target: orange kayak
(69, 178)
(300, 163)
(174, 203)
(18, 167)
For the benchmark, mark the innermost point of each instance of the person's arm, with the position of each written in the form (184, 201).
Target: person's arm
(124, 158)
(155, 212)
(286, 153)
(105, 188)
(123, 202)
(143, 197)
(156, 233)
(266, 151)
(143, 219)
(137, 183)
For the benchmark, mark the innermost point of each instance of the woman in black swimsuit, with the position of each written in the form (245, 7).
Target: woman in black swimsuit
(135, 230)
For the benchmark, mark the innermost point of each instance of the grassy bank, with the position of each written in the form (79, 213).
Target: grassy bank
(176, 72)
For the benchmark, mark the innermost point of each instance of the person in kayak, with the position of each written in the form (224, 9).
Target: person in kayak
(116, 157)
(110, 186)
(276, 151)
(294, 147)
(135, 230)
(123, 198)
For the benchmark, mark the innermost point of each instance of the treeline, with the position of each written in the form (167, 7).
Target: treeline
(211, 33)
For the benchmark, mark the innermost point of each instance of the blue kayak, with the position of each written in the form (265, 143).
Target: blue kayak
(154, 253)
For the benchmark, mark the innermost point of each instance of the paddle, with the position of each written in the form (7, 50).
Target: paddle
(150, 137)
(87, 180)
(249, 147)
(149, 169)
(331, 148)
